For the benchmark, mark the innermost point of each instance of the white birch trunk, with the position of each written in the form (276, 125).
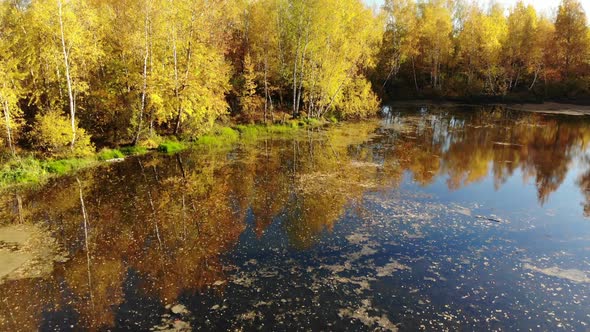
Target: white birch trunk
(68, 77)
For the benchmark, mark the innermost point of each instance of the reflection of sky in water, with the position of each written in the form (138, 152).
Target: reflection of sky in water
(409, 228)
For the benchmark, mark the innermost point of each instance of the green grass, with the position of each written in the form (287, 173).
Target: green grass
(133, 150)
(228, 134)
(170, 146)
(25, 170)
(281, 129)
(64, 166)
(108, 154)
(208, 140)
(29, 170)
(313, 122)
(295, 123)
(219, 137)
(250, 132)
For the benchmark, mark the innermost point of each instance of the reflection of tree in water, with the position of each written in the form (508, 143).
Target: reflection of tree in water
(170, 219)
(584, 183)
(497, 140)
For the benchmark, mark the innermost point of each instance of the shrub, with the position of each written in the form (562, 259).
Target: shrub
(359, 100)
(150, 141)
(52, 134)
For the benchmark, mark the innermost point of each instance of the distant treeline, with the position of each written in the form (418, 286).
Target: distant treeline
(457, 49)
(74, 73)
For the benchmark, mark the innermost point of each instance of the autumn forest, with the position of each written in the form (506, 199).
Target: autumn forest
(294, 165)
(80, 74)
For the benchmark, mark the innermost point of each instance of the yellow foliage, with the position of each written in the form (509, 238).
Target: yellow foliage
(359, 99)
(249, 101)
(52, 134)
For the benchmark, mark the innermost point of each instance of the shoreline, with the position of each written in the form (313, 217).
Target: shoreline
(27, 170)
(555, 108)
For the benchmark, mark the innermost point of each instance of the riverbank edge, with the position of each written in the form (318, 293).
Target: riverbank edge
(556, 108)
(29, 170)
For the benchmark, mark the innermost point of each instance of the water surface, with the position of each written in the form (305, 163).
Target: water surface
(431, 218)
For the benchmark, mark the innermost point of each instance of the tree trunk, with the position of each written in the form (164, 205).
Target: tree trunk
(87, 247)
(414, 72)
(176, 93)
(19, 207)
(301, 74)
(295, 77)
(517, 79)
(534, 79)
(266, 94)
(7, 124)
(325, 109)
(151, 71)
(68, 77)
(144, 76)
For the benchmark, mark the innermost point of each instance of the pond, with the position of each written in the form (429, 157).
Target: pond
(432, 218)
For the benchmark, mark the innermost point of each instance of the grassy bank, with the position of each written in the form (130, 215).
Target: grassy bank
(28, 169)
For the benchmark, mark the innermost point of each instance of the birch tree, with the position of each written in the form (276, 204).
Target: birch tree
(68, 53)
(10, 75)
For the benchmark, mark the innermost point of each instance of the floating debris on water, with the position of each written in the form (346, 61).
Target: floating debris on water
(574, 275)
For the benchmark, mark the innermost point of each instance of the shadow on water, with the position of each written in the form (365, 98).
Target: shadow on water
(437, 219)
